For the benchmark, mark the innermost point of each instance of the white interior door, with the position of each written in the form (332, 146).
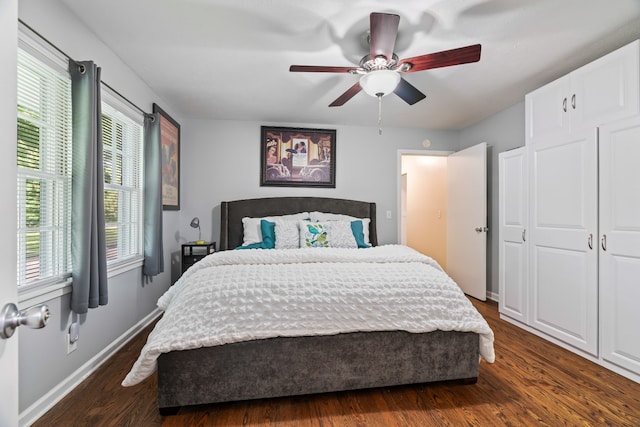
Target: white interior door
(467, 220)
(8, 290)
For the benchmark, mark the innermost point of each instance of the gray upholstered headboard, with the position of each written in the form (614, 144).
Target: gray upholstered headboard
(232, 213)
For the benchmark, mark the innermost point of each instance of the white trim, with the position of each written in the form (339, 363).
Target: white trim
(49, 292)
(49, 400)
(493, 296)
(41, 295)
(597, 360)
(119, 267)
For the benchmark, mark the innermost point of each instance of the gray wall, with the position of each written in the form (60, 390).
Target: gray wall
(502, 131)
(44, 362)
(221, 162)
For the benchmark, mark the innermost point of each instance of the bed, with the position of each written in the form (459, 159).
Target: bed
(375, 347)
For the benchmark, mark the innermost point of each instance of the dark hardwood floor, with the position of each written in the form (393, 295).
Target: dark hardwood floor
(532, 382)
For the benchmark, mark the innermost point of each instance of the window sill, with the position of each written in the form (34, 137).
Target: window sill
(30, 297)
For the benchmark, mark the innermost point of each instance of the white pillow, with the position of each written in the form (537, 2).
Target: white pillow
(287, 235)
(341, 235)
(251, 226)
(316, 216)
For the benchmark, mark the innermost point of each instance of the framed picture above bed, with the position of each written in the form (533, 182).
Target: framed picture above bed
(297, 157)
(170, 142)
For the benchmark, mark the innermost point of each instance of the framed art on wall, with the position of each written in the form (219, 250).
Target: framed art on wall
(297, 157)
(170, 142)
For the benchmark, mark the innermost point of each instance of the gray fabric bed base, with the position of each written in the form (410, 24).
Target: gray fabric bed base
(293, 366)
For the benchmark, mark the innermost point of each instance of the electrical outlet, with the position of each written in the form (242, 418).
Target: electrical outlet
(73, 335)
(388, 214)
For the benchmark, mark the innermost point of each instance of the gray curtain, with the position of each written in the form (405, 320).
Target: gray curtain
(153, 252)
(88, 247)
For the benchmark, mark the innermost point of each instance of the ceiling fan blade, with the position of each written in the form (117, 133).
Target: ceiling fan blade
(350, 93)
(384, 30)
(446, 58)
(321, 69)
(408, 92)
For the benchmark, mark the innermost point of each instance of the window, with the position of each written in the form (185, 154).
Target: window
(122, 145)
(44, 166)
(44, 156)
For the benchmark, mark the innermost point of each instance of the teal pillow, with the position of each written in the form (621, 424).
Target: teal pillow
(358, 233)
(268, 230)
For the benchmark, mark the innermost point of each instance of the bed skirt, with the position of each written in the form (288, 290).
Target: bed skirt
(305, 365)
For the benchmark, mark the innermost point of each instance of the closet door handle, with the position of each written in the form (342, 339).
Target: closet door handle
(603, 242)
(524, 235)
(573, 101)
(590, 241)
(564, 105)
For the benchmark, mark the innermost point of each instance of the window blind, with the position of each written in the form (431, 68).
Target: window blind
(44, 166)
(122, 144)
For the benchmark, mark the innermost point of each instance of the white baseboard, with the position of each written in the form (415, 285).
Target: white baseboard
(493, 296)
(49, 400)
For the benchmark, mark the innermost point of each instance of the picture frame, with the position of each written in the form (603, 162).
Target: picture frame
(297, 157)
(170, 146)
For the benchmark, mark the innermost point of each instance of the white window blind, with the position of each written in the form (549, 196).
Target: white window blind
(122, 146)
(44, 165)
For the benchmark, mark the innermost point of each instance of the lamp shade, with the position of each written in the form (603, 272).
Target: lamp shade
(195, 222)
(380, 82)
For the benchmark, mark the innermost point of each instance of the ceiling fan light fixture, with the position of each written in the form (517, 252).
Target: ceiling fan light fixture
(379, 82)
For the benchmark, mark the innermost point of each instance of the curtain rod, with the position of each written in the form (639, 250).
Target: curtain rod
(70, 58)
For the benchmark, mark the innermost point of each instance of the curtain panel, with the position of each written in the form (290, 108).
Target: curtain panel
(88, 243)
(153, 251)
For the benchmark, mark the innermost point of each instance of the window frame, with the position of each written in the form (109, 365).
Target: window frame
(116, 102)
(60, 284)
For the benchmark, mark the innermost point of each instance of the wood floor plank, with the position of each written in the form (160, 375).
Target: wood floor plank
(532, 383)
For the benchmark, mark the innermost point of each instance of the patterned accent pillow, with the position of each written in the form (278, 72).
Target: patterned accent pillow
(313, 234)
(317, 216)
(286, 234)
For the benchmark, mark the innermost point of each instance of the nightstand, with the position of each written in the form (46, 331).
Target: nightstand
(193, 252)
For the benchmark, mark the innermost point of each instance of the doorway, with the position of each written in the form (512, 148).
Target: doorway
(442, 201)
(423, 203)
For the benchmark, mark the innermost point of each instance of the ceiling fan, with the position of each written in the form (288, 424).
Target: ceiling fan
(381, 70)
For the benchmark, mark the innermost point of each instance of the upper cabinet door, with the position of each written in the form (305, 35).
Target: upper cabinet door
(546, 109)
(600, 92)
(606, 89)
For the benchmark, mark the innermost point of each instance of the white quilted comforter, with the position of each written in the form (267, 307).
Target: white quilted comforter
(243, 295)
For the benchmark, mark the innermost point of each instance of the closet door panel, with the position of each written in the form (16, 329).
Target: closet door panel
(564, 286)
(620, 243)
(513, 253)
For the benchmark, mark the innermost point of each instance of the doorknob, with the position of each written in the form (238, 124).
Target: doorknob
(481, 229)
(35, 317)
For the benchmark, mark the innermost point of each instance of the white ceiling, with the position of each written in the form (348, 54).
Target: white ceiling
(229, 59)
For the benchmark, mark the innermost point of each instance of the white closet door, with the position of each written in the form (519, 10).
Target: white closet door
(620, 243)
(564, 275)
(513, 213)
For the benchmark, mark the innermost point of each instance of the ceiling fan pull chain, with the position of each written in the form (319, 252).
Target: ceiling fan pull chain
(379, 114)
